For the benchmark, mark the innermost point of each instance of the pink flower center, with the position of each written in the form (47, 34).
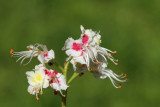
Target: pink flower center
(85, 39)
(45, 55)
(76, 46)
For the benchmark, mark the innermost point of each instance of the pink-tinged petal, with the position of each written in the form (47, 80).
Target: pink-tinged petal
(68, 44)
(76, 46)
(85, 39)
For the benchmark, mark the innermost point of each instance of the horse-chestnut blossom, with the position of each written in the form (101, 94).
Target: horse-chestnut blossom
(57, 80)
(37, 80)
(87, 54)
(43, 55)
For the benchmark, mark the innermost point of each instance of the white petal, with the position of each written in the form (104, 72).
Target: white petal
(46, 82)
(41, 58)
(73, 53)
(31, 90)
(82, 28)
(68, 44)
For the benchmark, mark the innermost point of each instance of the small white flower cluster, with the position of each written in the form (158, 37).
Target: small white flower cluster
(41, 77)
(87, 54)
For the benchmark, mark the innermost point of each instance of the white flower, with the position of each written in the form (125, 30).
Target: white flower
(87, 54)
(84, 50)
(33, 51)
(37, 80)
(57, 80)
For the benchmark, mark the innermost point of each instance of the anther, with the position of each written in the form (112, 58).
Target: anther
(119, 85)
(116, 60)
(116, 63)
(114, 52)
(90, 70)
(122, 74)
(37, 97)
(64, 95)
(41, 92)
(64, 63)
(126, 79)
(125, 75)
(11, 51)
(96, 63)
(89, 67)
(25, 57)
(29, 48)
(95, 58)
(101, 60)
(108, 55)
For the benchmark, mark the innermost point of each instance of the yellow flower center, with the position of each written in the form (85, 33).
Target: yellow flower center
(38, 77)
(33, 80)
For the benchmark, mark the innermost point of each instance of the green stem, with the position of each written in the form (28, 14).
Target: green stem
(73, 77)
(66, 68)
(64, 98)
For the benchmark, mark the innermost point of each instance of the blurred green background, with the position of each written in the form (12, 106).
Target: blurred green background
(129, 26)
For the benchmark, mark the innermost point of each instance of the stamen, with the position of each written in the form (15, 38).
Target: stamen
(64, 95)
(37, 97)
(29, 48)
(108, 55)
(119, 85)
(11, 51)
(25, 57)
(64, 63)
(90, 70)
(96, 63)
(101, 60)
(95, 59)
(122, 74)
(125, 75)
(126, 79)
(116, 63)
(114, 52)
(116, 60)
(41, 92)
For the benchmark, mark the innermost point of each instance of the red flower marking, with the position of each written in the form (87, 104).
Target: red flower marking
(45, 55)
(85, 39)
(76, 46)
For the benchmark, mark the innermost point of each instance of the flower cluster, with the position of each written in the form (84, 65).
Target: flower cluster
(41, 77)
(87, 54)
